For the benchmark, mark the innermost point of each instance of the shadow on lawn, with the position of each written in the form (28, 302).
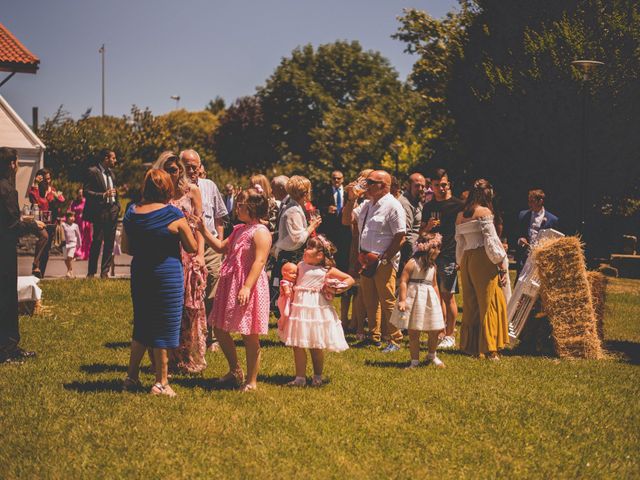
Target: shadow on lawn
(630, 351)
(117, 345)
(386, 364)
(264, 343)
(95, 386)
(106, 367)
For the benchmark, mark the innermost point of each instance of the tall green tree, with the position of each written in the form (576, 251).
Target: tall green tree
(336, 106)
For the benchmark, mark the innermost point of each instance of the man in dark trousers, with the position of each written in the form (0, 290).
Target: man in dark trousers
(530, 222)
(11, 227)
(102, 209)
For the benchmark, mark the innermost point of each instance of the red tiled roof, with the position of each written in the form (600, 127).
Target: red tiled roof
(14, 56)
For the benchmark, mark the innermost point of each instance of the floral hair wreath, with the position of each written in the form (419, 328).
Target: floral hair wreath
(259, 188)
(326, 246)
(435, 242)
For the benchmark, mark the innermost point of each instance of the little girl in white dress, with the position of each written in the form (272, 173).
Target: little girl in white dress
(418, 307)
(313, 323)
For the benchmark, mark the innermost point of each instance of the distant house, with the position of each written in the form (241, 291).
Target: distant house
(14, 132)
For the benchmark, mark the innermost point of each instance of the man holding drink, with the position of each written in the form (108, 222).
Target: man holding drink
(439, 216)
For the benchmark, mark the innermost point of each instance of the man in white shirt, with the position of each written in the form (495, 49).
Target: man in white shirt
(214, 212)
(382, 228)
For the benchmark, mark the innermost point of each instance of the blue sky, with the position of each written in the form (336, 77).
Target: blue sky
(194, 48)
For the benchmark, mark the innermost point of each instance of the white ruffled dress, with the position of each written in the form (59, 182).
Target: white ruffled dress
(423, 310)
(313, 322)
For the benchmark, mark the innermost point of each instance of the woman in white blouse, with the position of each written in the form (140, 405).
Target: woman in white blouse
(293, 228)
(484, 272)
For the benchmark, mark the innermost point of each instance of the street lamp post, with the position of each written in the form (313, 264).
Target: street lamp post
(585, 66)
(102, 52)
(177, 99)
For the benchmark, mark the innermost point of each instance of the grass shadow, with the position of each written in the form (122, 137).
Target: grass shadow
(106, 367)
(264, 343)
(117, 345)
(282, 380)
(386, 364)
(208, 384)
(95, 386)
(630, 351)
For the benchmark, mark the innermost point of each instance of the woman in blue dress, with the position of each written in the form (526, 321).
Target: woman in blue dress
(152, 234)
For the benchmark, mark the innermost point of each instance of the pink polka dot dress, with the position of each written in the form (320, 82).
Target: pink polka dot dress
(227, 313)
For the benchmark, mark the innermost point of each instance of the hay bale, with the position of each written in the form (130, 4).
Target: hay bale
(598, 285)
(566, 298)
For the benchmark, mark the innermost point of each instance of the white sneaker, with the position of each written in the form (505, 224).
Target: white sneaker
(436, 362)
(447, 342)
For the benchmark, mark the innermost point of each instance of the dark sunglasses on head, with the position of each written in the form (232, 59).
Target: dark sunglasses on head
(373, 182)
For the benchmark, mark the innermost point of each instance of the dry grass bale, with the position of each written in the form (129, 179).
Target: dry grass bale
(598, 284)
(566, 298)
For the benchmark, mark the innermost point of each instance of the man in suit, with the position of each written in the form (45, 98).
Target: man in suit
(530, 222)
(11, 227)
(102, 209)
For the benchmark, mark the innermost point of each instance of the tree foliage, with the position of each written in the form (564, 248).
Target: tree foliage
(515, 102)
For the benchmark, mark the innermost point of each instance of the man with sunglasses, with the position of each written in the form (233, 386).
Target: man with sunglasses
(439, 216)
(214, 212)
(382, 229)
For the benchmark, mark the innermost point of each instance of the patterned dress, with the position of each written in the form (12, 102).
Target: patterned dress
(423, 311)
(189, 357)
(227, 313)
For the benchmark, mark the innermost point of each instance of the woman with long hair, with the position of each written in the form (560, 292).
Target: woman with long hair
(484, 271)
(189, 357)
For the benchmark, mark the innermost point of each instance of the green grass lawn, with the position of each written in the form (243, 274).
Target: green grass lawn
(62, 415)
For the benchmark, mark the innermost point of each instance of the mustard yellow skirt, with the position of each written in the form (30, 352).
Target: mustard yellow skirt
(485, 327)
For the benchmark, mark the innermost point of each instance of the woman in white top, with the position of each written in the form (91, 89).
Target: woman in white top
(293, 228)
(482, 260)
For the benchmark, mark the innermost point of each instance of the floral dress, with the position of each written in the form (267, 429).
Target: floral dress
(189, 357)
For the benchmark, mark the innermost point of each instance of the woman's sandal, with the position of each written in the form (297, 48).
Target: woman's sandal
(131, 385)
(232, 377)
(247, 387)
(159, 389)
(296, 382)
(316, 382)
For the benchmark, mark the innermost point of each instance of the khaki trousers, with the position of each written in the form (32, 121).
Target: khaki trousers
(379, 290)
(485, 326)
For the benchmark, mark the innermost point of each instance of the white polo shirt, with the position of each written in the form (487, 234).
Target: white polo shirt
(378, 223)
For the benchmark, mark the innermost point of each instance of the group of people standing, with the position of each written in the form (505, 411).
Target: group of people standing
(193, 286)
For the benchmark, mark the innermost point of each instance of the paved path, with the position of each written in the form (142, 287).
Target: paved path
(57, 269)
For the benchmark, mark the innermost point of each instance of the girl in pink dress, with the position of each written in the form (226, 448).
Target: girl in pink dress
(242, 298)
(86, 229)
(313, 322)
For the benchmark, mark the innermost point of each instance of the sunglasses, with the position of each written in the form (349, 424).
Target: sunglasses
(373, 182)
(172, 170)
(442, 185)
(191, 167)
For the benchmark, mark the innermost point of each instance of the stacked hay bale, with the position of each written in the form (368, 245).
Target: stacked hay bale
(566, 298)
(598, 286)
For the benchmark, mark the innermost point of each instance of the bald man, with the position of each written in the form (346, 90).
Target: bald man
(412, 200)
(382, 228)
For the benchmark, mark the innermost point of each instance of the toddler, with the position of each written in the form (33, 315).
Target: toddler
(418, 307)
(72, 240)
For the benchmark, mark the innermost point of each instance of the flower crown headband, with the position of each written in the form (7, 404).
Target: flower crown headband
(435, 242)
(326, 246)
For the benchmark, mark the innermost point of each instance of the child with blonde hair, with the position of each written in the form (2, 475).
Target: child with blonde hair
(313, 324)
(418, 308)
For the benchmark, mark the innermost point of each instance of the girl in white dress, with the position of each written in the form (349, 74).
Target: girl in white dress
(418, 307)
(313, 323)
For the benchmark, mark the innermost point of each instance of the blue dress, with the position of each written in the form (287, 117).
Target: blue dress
(157, 282)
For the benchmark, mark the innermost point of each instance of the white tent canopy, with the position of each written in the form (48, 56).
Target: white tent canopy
(15, 133)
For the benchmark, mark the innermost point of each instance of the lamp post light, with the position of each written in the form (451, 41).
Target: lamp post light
(177, 99)
(585, 67)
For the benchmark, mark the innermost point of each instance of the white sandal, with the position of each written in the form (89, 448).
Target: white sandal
(159, 389)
